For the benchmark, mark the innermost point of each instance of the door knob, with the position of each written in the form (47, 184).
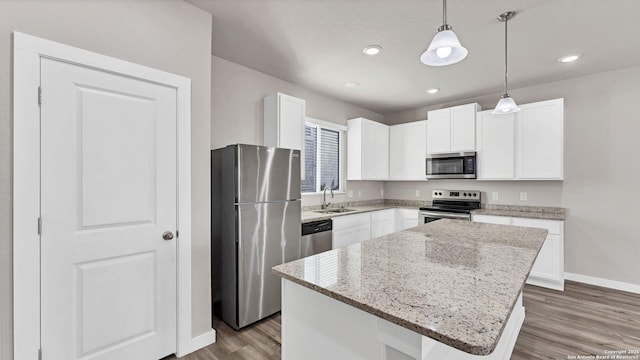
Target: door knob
(168, 235)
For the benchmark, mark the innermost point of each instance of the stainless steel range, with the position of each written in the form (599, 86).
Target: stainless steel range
(450, 204)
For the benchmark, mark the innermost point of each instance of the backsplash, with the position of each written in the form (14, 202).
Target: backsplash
(538, 193)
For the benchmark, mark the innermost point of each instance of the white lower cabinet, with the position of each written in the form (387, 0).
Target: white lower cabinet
(383, 222)
(406, 218)
(548, 270)
(355, 228)
(351, 229)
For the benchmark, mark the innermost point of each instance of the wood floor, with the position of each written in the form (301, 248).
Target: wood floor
(582, 320)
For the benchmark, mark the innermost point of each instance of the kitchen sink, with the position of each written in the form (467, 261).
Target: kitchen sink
(334, 211)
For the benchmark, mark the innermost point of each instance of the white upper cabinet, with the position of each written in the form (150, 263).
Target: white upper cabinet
(540, 140)
(284, 118)
(495, 146)
(527, 145)
(367, 150)
(407, 150)
(452, 129)
(439, 131)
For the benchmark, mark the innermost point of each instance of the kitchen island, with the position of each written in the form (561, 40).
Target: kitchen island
(445, 290)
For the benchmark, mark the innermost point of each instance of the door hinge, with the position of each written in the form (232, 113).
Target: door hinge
(39, 226)
(39, 95)
(39, 354)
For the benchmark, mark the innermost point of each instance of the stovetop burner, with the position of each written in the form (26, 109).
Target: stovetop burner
(454, 201)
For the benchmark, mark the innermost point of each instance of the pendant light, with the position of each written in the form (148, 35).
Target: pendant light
(445, 48)
(506, 105)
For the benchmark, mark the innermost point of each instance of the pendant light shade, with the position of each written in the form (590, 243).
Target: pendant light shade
(506, 104)
(445, 48)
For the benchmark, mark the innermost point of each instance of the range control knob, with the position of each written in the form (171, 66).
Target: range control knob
(465, 194)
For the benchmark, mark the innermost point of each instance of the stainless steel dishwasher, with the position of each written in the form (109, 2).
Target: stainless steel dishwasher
(316, 237)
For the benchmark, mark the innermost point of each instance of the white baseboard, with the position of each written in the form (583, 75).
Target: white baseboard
(201, 341)
(612, 284)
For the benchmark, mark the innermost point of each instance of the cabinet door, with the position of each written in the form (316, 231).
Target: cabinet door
(406, 218)
(292, 115)
(352, 235)
(382, 228)
(547, 265)
(341, 238)
(375, 150)
(415, 150)
(463, 128)
(383, 222)
(397, 153)
(540, 140)
(409, 223)
(360, 233)
(495, 146)
(439, 131)
(284, 119)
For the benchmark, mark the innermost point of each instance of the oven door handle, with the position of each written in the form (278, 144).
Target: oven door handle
(445, 215)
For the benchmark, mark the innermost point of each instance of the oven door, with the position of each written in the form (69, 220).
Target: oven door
(429, 216)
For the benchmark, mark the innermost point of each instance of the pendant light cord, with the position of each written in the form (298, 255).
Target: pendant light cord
(506, 67)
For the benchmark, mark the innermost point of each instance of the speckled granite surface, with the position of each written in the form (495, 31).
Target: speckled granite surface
(534, 212)
(309, 214)
(450, 280)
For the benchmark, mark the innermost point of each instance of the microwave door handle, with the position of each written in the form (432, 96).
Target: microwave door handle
(444, 215)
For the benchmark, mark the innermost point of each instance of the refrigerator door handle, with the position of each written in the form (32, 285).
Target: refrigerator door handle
(259, 252)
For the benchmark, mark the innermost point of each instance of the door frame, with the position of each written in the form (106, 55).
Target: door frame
(27, 52)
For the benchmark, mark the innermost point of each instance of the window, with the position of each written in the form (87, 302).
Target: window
(324, 152)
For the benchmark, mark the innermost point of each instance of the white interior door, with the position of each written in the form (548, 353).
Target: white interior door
(109, 192)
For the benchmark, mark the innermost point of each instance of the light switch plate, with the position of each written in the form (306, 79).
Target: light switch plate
(381, 192)
(523, 196)
(359, 193)
(350, 193)
(494, 195)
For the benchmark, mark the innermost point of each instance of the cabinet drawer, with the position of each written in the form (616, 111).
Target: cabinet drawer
(492, 219)
(347, 221)
(554, 226)
(383, 215)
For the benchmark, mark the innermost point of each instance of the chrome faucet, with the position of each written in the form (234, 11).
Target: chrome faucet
(325, 204)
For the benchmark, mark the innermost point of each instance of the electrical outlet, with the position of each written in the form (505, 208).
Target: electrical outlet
(359, 193)
(381, 192)
(417, 193)
(350, 193)
(494, 195)
(523, 196)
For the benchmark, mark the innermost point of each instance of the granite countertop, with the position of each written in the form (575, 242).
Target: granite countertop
(450, 280)
(309, 214)
(534, 212)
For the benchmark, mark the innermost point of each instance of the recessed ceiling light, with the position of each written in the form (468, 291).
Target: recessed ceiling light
(432, 91)
(352, 84)
(372, 50)
(569, 58)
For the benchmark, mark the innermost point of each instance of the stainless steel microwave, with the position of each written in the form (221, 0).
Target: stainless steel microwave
(460, 165)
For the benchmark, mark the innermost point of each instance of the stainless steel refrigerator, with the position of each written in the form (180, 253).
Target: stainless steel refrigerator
(255, 225)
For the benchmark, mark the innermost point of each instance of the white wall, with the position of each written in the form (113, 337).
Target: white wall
(602, 171)
(237, 111)
(168, 35)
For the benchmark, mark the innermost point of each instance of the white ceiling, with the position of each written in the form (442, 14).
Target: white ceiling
(318, 44)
